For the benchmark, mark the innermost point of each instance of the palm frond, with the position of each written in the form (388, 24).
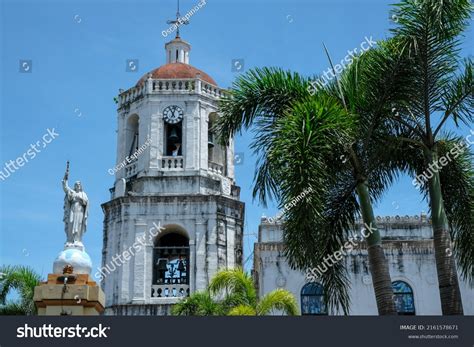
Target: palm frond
(307, 147)
(430, 33)
(264, 92)
(257, 99)
(278, 300)
(24, 280)
(234, 282)
(14, 309)
(458, 98)
(198, 304)
(242, 310)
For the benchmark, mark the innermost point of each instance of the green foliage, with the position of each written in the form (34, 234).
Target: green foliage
(441, 88)
(257, 99)
(327, 142)
(22, 279)
(277, 300)
(457, 186)
(198, 304)
(242, 310)
(236, 286)
(232, 292)
(307, 148)
(367, 125)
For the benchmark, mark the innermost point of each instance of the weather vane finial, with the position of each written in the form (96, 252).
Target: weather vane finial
(178, 21)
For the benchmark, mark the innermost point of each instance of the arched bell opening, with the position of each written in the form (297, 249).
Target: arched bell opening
(174, 139)
(171, 259)
(132, 136)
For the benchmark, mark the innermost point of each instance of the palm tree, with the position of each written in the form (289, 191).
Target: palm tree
(22, 279)
(240, 295)
(232, 292)
(428, 33)
(331, 142)
(457, 188)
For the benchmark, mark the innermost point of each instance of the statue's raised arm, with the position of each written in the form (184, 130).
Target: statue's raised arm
(66, 188)
(76, 209)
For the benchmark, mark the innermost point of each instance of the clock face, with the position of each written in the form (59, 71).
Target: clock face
(173, 114)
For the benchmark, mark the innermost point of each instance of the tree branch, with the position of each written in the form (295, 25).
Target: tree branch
(409, 126)
(406, 139)
(449, 112)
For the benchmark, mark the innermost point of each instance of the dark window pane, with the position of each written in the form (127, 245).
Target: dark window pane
(312, 300)
(403, 297)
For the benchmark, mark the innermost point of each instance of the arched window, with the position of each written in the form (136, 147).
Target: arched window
(403, 297)
(174, 139)
(216, 152)
(312, 300)
(210, 139)
(132, 136)
(171, 259)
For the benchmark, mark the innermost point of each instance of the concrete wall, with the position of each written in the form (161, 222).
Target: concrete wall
(213, 225)
(409, 249)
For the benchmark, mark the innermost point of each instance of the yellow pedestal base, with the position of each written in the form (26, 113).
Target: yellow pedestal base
(81, 296)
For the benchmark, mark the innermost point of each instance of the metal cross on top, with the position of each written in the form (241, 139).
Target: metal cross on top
(178, 21)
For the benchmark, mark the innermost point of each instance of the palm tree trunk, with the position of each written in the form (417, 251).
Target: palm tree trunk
(451, 303)
(377, 262)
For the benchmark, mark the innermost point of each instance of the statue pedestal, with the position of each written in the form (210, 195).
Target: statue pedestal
(79, 296)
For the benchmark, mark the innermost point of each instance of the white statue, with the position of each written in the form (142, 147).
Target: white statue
(76, 208)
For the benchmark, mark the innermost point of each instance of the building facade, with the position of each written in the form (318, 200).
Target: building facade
(408, 245)
(174, 217)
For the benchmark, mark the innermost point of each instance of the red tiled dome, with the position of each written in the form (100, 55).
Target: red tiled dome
(176, 71)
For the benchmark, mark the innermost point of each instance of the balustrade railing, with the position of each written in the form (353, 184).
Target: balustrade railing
(169, 290)
(216, 168)
(131, 170)
(158, 86)
(173, 85)
(172, 163)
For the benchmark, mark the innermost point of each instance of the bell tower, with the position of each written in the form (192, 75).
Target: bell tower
(174, 217)
(177, 51)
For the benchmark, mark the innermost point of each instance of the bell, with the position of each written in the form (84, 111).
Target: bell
(174, 252)
(162, 265)
(173, 135)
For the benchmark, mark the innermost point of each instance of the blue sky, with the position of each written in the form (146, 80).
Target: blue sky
(78, 52)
